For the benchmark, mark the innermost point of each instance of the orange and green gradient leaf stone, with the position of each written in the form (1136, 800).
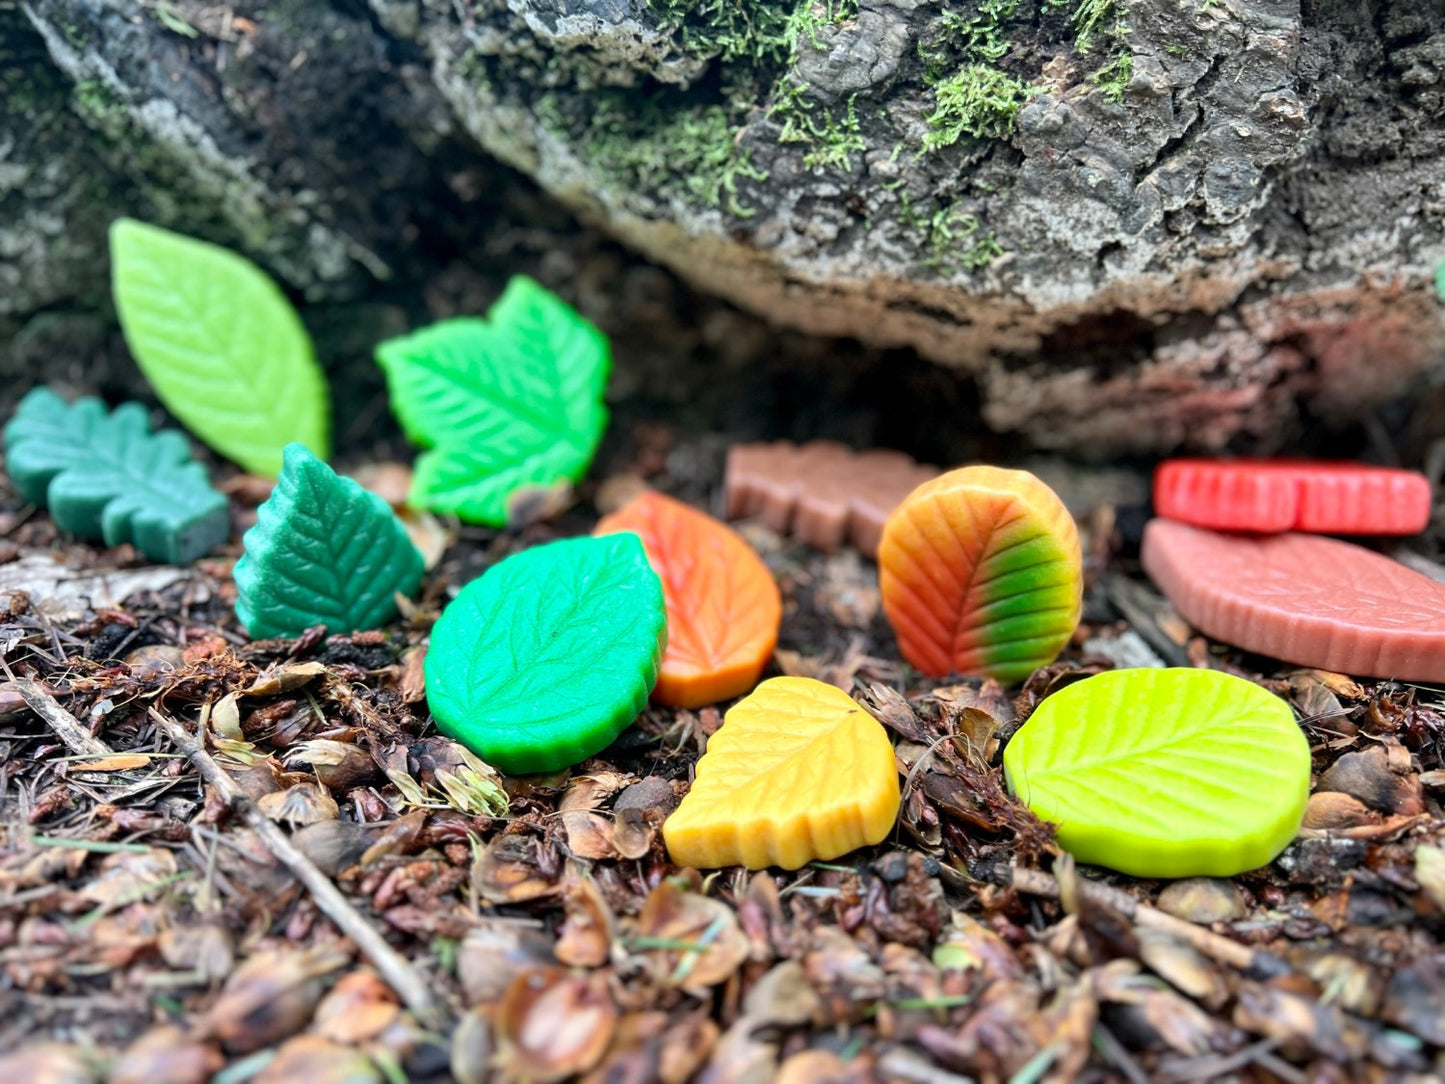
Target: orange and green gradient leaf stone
(981, 573)
(799, 772)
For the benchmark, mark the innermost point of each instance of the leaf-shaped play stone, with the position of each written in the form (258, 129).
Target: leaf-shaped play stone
(1164, 772)
(548, 656)
(1308, 600)
(798, 772)
(981, 573)
(1314, 496)
(507, 405)
(324, 551)
(221, 345)
(723, 605)
(107, 476)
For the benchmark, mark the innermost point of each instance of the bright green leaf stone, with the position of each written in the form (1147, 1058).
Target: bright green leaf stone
(221, 345)
(507, 405)
(551, 654)
(323, 551)
(1164, 773)
(106, 476)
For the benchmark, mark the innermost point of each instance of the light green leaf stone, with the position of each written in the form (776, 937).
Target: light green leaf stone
(1164, 772)
(507, 405)
(323, 551)
(221, 345)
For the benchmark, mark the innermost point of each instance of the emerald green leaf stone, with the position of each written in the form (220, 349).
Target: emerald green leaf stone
(106, 476)
(323, 551)
(551, 654)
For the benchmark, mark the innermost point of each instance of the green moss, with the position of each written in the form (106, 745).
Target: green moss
(979, 101)
(951, 238)
(689, 154)
(978, 38)
(956, 240)
(1092, 19)
(97, 104)
(762, 32)
(832, 141)
(472, 67)
(1113, 78)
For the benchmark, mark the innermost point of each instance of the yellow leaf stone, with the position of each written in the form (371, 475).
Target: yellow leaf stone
(798, 772)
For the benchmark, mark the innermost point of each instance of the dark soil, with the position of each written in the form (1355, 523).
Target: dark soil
(149, 932)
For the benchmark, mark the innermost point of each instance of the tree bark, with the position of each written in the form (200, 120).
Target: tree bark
(1134, 225)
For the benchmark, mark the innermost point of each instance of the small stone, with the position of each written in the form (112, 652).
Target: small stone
(653, 792)
(1203, 900)
(1328, 809)
(1367, 775)
(1430, 872)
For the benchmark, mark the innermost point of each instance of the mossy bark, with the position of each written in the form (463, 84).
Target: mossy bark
(1131, 224)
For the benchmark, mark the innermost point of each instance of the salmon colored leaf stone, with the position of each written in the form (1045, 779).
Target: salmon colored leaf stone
(323, 551)
(550, 655)
(107, 476)
(723, 605)
(1272, 495)
(981, 573)
(221, 345)
(823, 492)
(1164, 772)
(507, 406)
(799, 772)
(1313, 601)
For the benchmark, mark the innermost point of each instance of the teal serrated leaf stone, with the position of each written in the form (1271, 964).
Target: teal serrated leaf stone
(323, 551)
(552, 653)
(105, 475)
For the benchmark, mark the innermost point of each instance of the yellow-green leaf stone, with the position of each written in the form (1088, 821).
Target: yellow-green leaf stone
(1164, 772)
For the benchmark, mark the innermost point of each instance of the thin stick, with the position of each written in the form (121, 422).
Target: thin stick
(66, 726)
(398, 973)
(1211, 944)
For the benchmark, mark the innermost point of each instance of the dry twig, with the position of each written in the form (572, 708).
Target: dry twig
(394, 969)
(1211, 944)
(66, 726)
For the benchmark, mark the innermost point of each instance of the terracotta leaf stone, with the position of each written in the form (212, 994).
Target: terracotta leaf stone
(723, 605)
(823, 492)
(1304, 599)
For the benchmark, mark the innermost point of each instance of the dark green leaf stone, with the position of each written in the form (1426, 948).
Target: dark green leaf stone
(324, 551)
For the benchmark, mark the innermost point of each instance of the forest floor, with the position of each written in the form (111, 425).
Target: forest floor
(167, 910)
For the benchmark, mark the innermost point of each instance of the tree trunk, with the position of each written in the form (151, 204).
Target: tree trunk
(1134, 224)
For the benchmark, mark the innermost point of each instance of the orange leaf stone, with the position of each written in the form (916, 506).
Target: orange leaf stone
(798, 772)
(723, 605)
(981, 573)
